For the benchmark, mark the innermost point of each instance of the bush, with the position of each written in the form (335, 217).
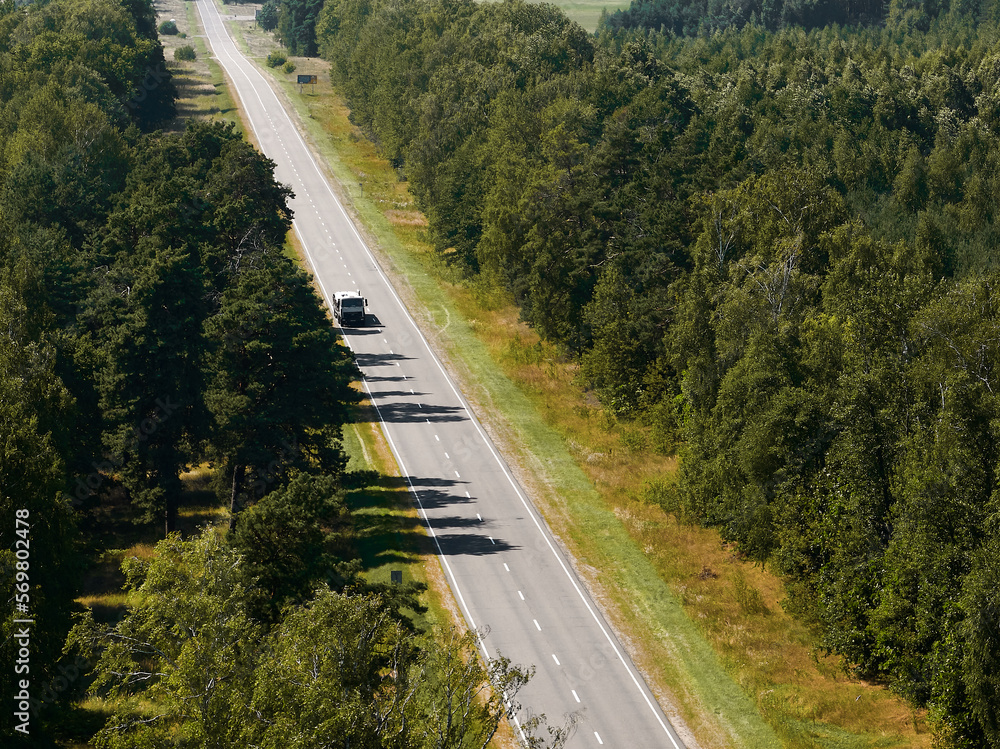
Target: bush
(275, 59)
(185, 53)
(289, 67)
(168, 28)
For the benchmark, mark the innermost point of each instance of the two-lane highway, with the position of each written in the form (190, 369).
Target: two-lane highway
(502, 563)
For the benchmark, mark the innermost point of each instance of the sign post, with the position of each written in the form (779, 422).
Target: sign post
(303, 79)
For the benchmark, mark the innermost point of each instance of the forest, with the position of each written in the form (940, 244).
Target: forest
(151, 322)
(770, 239)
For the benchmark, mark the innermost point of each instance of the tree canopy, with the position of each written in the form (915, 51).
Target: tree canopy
(149, 318)
(766, 231)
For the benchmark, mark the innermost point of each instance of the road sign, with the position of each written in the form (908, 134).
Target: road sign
(307, 79)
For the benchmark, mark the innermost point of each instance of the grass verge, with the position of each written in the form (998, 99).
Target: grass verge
(202, 92)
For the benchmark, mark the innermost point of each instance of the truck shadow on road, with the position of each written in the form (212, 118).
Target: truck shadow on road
(471, 544)
(400, 413)
(380, 360)
(466, 541)
(384, 535)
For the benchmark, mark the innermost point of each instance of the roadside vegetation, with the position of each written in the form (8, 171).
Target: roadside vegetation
(577, 458)
(765, 248)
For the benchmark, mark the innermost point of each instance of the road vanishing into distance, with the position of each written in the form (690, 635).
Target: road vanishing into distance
(502, 563)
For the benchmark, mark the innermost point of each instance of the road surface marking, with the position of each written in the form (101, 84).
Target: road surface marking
(575, 696)
(598, 737)
(537, 625)
(521, 594)
(556, 659)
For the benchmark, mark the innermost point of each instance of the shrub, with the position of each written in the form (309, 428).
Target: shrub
(168, 28)
(185, 53)
(275, 59)
(289, 67)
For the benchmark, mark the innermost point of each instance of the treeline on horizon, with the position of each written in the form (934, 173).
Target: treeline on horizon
(151, 323)
(777, 249)
(706, 16)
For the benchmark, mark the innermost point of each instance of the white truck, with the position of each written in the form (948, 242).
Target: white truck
(349, 308)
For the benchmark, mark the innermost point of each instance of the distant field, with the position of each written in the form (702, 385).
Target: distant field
(587, 12)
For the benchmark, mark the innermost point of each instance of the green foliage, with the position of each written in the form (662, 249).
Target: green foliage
(295, 537)
(36, 419)
(297, 25)
(276, 58)
(267, 16)
(277, 380)
(168, 28)
(72, 73)
(188, 642)
(980, 633)
(288, 67)
(134, 269)
(340, 667)
(703, 16)
(185, 53)
(337, 671)
(771, 247)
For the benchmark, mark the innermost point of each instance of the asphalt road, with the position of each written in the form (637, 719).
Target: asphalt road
(504, 568)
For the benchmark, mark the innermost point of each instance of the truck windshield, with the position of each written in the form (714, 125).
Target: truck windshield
(351, 303)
